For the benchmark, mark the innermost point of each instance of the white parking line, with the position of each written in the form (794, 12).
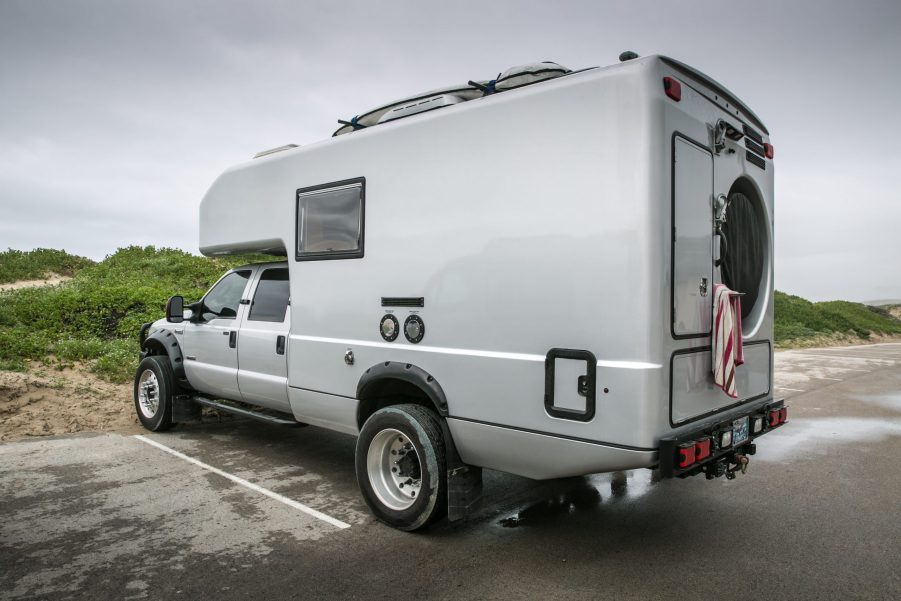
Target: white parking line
(263, 491)
(789, 389)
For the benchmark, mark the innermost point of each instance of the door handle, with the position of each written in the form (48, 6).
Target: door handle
(232, 339)
(280, 345)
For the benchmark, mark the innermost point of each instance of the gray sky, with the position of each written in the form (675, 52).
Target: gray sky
(115, 116)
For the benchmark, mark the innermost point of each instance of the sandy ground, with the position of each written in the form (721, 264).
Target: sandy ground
(46, 402)
(50, 279)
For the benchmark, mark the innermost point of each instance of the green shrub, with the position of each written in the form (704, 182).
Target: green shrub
(18, 265)
(95, 317)
(797, 319)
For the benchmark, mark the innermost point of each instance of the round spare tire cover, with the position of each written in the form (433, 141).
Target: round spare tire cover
(742, 266)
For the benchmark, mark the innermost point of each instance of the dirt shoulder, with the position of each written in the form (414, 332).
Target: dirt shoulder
(46, 402)
(50, 279)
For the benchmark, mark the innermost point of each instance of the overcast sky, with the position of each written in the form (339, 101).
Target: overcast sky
(116, 116)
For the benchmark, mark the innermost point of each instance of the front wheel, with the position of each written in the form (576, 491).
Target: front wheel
(400, 464)
(154, 389)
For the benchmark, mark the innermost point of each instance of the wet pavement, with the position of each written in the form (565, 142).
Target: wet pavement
(817, 516)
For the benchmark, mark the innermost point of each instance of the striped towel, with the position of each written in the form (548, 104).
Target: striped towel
(727, 347)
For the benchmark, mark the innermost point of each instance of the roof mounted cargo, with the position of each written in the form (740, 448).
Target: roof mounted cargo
(512, 78)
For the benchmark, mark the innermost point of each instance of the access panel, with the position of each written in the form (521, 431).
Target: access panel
(692, 239)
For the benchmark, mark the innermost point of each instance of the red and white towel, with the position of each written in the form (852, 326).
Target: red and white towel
(727, 346)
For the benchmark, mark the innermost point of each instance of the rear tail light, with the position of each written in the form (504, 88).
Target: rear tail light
(768, 150)
(686, 454)
(672, 88)
(702, 449)
(774, 418)
(783, 415)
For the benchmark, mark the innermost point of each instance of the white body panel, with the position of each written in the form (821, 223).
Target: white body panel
(528, 220)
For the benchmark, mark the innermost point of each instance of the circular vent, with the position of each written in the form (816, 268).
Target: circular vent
(743, 250)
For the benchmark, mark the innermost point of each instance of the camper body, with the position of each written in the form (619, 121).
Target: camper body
(534, 268)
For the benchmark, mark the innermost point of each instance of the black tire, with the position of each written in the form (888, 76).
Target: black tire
(158, 417)
(420, 428)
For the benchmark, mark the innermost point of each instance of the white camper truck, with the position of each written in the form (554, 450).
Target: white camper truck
(513, 274)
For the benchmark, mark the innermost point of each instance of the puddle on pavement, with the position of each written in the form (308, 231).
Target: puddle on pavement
(810, 435)
(581, 495)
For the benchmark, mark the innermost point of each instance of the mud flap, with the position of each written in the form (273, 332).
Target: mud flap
(464, 482)
(185, 410)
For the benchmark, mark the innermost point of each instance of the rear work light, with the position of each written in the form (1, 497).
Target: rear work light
(757, 424)
(768, 150)
(685, 454)
(725, 439)
(672, 88)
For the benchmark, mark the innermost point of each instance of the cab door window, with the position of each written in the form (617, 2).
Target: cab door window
(270, 301)
(223, 299)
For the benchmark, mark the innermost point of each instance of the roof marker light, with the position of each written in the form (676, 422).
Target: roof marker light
(672, 88)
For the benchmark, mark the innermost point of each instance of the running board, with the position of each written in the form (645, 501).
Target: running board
(269, 419)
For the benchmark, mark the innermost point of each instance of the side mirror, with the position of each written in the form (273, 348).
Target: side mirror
(175, 309)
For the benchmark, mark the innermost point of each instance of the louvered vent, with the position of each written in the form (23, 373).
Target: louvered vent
(754, 144)
(403, 301)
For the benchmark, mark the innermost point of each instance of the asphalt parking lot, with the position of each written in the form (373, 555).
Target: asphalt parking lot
(242, 510)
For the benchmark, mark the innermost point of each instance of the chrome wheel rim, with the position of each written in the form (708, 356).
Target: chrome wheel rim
(148, 394)
(394, 469)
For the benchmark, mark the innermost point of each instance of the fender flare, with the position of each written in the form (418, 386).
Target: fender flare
(164, 342)
(403, 372)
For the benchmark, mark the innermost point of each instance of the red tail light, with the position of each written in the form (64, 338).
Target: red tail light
(686, 452)
(702, 449)
(773, 418)
(672, 88)
(768, 150)
(783, 415)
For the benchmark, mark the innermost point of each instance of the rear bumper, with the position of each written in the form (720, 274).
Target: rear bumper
(713, 429)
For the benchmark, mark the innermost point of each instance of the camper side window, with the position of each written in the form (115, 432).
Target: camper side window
(330, 221)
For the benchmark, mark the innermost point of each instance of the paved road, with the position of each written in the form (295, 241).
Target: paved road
(818, 516)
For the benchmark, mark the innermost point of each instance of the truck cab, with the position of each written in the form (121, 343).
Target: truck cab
(232, 343)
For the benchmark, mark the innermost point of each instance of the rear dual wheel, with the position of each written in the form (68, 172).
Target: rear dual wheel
(401, 466)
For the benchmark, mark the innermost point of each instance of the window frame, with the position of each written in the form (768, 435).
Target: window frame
(202, 306)
(321, 189)
(256, 291)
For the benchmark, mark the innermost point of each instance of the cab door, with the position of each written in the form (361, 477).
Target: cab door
(263, 341)
(211, 339)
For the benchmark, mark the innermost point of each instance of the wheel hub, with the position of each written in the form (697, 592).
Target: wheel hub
(148, 394)
(394, 469)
